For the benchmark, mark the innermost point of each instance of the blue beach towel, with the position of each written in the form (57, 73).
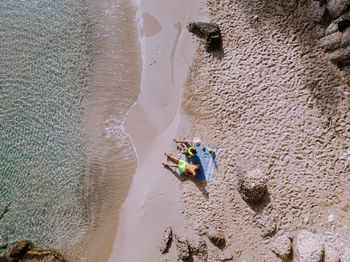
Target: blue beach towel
(207, 162)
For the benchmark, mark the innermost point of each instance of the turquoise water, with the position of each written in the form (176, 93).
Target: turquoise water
(44, 69)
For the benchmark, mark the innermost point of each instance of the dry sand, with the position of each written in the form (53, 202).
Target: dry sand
(276, 103)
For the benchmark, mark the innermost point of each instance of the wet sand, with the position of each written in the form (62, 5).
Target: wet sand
(153, 201)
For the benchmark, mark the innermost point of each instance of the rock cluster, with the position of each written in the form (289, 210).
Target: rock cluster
(208, 31)
(24, 251)
(334, 18)
(251, 185)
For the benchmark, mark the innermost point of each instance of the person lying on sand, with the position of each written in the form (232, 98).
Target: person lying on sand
(188, 148)
(189, 168)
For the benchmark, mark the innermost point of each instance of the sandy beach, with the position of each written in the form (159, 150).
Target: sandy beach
(273, 102)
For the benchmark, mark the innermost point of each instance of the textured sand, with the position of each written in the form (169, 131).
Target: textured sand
(272, 102)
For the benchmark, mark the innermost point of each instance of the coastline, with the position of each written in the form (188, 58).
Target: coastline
(153, 201)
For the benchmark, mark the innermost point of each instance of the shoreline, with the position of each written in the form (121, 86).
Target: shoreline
(153, 201)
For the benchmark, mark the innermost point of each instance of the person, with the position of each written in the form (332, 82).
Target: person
(184, 166)
(190, 149)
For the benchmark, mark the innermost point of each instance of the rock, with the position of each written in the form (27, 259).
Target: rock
(316, 11)
(24, 251)
(183, 251)
(267, 225)
(339, 56)
(345, 41)
(308, 247)
(18, 250)
(208, 31)
(332, 41)
(331, 218)
(216, 237)
(281, 246)
(199, 248)
(251, 185)
(225, 255)
(332, 28)
(166, 240)
(337, 7)
(331, 254)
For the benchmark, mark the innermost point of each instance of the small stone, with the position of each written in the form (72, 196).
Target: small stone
(166, 240)
(337, 7)
(331, 218)
(281, 246)
(199, 248)
(225, 255)
(251, 185)
(183, 251)
(216, 237)
(308, 247)
(316, 11)
(256, 18)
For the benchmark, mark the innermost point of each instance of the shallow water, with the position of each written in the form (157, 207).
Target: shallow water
(47, 84)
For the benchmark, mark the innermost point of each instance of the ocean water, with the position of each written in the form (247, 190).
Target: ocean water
(51, 108)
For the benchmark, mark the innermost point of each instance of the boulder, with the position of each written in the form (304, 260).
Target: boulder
(251, 185)
(337, 7)
(216, 237)
(182, 247)
(316, 11)
(332, 41)
(208, 31)
(308, 247)
(331, 254)
(166, 240)
(281, 246)
(199, 248)
(339, 56)
(225, 255)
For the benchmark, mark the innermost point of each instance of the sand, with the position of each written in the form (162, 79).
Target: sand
(153, 200)
(273, 102)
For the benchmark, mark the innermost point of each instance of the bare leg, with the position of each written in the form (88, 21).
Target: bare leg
(187, 143)
(172, 157)
(170, 165)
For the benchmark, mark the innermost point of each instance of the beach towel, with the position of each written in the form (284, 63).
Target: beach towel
(207, 162)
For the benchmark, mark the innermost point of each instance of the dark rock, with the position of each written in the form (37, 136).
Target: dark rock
(337, 7)
(166, 240)
(251, 185)
(199, 248)
(182, 247)
(18, 250)
(208, 31)
(316, 11)
(216, 237)
(345, 41)
(24, 251)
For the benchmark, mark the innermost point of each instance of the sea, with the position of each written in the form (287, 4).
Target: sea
(69, 74)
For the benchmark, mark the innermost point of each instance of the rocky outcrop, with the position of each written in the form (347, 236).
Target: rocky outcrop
(182, 247)
(334, 19)
(24, 251)
(308, 247)
(216, 237)
(251, 185)
(208, 31)
(281, 246)
(199, 248)
(166, 240)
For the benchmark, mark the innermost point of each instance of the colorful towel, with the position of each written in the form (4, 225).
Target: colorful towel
(207, 162)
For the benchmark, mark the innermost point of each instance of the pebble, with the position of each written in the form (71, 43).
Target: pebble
(331, 218)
